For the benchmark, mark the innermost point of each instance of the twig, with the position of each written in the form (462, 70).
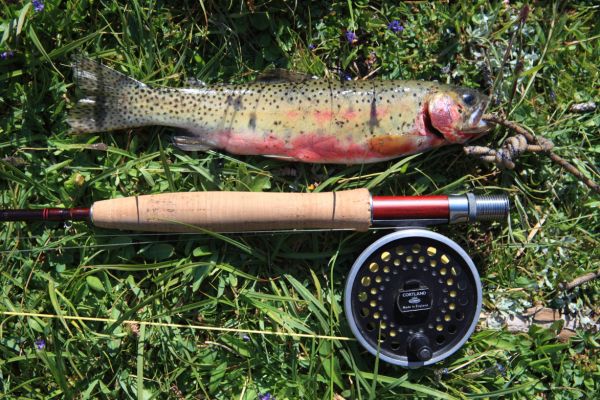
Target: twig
(532, 233)
(580, 280)
(533, 140)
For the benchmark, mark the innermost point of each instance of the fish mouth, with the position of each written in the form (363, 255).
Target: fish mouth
(476, 124)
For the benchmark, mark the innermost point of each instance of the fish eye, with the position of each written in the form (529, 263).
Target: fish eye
(468, 99)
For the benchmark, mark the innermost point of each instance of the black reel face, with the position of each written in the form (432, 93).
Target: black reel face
(413, 297)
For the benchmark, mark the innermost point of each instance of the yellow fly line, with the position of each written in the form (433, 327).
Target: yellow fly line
(171, 325)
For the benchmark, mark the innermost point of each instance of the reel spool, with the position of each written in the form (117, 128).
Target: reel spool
(413, 298)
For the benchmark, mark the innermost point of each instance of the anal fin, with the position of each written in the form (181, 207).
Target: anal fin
(277, 157)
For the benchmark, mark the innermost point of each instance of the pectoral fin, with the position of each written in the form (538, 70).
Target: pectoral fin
(190, 143)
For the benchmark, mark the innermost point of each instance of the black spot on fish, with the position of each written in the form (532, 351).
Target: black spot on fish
(252, 121)
(373, 121)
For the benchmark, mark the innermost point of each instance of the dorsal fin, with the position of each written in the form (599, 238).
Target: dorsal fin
(274, 75)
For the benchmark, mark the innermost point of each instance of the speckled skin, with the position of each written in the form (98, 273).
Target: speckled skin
(310, 120)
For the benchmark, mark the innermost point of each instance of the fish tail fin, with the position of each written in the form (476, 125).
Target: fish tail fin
(107, 99)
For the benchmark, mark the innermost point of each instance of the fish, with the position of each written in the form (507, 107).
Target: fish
(288, 116)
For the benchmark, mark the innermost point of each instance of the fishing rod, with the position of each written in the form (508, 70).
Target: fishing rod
(412, 298)
(250, 211)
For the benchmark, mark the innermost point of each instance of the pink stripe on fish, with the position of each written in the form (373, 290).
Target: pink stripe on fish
(323, 116)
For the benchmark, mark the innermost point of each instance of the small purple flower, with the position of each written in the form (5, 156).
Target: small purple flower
(266, 396)
(501, 369)
(40, 344)
(351, 37)
(311, 46)
(395, 26)
(38, 5)
(245, 338)
(6, 54)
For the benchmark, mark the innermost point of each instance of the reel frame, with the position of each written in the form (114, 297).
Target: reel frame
(418, 349)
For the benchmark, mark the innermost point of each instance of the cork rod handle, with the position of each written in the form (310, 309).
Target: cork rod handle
(236, 211)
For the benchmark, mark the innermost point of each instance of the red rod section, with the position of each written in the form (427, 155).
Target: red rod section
(410, 207)
(46, 214)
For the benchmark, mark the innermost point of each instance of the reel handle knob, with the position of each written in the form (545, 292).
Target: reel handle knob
(418, 345)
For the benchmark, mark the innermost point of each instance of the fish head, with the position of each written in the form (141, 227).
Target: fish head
(456, 112)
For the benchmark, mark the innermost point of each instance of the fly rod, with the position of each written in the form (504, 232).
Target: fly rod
(250, 211)
(412, 298)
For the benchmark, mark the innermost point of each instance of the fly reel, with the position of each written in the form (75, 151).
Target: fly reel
(413, 298)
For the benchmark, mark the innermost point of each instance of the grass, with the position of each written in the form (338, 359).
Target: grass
(286, 282)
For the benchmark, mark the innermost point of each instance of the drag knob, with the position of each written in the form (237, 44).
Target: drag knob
(418, 346)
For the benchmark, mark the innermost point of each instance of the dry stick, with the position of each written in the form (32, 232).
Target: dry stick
(553, 156)
(580, 280)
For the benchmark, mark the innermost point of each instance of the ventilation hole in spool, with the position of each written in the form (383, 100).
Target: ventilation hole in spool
(431, 251)
(409, 259)
(439, 328)
(462, 285)
(453, 293)
(463, 301)
(376, 315)
(433, 263)
(364, 312)
(443, 271)
(373, 267)
(373, 290)
(400, 250)
(397, 262)
(440, 339)
(370, 327)
(383, 325)
(395, 345)
(362, 296)
(382, 337)
(459, 316)
(387, 279)
(416, 248)
(447, 317)
(452, 306)
(450, 282)
(421, 259)
(454, 271)
(386, 269)
(393, 333)
(378, 279)
(365, 281)
(386, 256)
(444, 258)
(452, 329)
(372, 303)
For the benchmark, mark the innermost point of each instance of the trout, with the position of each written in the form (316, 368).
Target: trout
(290, 116)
